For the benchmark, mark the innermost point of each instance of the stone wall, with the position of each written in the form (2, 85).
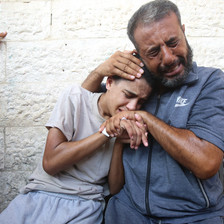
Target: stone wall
(54, 43)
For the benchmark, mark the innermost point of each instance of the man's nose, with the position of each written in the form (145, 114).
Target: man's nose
(167, 56)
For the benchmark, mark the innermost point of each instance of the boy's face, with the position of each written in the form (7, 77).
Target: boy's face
(126, 95)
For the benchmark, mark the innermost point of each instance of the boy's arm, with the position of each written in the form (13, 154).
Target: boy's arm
(116, 172)
(122, 64)
(60, 154)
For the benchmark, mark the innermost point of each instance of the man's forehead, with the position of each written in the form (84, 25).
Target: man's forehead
(162, 30)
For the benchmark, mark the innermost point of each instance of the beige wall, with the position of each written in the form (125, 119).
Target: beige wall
(52, 44)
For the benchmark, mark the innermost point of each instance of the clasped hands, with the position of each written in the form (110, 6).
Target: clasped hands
(128, 127)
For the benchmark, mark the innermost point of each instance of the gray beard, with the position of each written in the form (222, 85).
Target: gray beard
(174, 82)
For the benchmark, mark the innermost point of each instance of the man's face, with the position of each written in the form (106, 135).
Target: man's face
(123, 95)
(164, 50)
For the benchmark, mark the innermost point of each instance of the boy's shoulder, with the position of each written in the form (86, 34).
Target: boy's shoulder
(77, 90)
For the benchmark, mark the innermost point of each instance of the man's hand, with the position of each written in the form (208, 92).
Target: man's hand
(122, 64)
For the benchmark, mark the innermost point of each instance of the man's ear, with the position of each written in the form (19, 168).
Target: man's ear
(109, 83)
(183, 28)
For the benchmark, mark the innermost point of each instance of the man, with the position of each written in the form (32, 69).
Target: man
(175, 179)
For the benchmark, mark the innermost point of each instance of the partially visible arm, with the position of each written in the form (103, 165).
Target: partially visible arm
(60, 154)
(116, 172)
(122, 64)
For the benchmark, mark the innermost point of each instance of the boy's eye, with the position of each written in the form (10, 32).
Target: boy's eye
(128, 96)
(141, 102)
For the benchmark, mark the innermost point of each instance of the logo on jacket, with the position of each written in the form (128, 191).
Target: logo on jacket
(181, 102)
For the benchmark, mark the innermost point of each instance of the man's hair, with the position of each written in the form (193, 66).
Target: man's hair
(149, 13)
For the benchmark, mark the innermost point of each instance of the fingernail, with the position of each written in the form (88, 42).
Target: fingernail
(132, 77)
(141, 70)
(139, 75)
(141, 64)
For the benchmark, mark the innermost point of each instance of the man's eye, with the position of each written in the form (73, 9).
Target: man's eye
(172, 43)
(153, 53)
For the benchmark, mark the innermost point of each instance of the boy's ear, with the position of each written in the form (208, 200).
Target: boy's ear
(109, 83)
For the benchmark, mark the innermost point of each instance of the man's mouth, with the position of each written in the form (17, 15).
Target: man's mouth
(174, 71)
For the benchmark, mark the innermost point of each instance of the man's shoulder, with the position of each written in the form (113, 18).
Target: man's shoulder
(207, 71)
(208, 74)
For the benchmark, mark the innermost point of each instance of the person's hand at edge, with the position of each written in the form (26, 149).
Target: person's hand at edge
(3, 34)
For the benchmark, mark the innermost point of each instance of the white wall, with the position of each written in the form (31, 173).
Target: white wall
(53, 43)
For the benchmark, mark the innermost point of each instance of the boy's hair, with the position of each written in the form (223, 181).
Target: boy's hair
(147, 75)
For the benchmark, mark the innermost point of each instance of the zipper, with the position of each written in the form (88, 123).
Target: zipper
(151, 139)
(204, 193)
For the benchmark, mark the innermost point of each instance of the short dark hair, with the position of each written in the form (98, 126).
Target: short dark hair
(151, 12)
(147, 75)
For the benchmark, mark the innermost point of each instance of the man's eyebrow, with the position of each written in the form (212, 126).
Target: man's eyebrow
(171, 40)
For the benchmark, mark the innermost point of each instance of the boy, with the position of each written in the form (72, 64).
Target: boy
(69, 185)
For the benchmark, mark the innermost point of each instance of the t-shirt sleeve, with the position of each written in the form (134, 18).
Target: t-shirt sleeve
(207, 117)
(62, 116)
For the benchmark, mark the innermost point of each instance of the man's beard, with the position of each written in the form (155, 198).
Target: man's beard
(179, 79)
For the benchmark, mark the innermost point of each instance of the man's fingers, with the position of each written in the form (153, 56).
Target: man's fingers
(124, 75)
(126, 65)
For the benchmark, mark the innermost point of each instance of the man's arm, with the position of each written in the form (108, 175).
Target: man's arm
(122, 64)
(199, 156)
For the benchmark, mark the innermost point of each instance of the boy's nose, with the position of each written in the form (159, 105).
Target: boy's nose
(132, 105)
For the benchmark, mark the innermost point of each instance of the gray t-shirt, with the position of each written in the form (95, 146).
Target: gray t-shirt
(76, 115)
